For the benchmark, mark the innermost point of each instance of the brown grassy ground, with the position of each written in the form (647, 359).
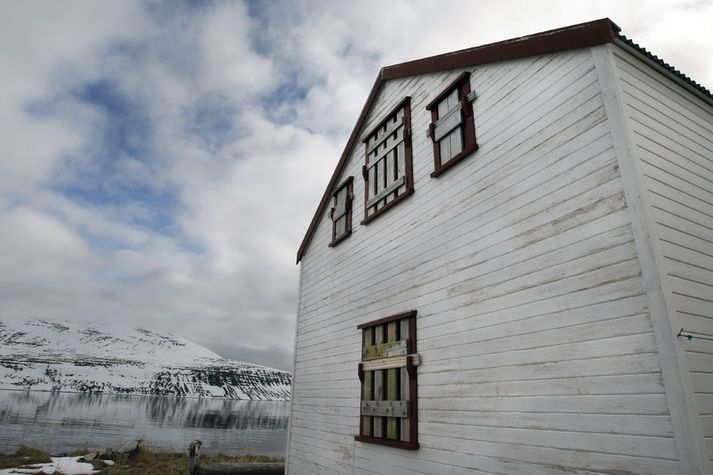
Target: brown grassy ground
(144, 462)
(24, 455)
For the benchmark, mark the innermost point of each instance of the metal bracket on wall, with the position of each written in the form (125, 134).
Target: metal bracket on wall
(694, 335)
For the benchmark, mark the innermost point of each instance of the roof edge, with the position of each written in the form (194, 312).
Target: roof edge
(581, 35)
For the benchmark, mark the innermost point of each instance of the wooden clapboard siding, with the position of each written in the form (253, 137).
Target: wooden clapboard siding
(537, 353)
(672, 139)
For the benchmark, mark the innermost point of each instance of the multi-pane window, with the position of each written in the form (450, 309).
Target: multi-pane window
(388, 172)
(341, 212)
(452, 126)
(389, 390)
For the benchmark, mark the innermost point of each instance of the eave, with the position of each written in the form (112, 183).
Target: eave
(583, 35)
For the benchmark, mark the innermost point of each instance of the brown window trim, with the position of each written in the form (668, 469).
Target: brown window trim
(348, 183)
(412, 444)
(408, 158)
(391, 318)
(470, 145)
(389, 443)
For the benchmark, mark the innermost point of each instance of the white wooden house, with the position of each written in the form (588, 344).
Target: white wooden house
(511, 270)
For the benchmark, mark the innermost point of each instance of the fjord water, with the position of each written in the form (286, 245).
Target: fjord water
(61, 422)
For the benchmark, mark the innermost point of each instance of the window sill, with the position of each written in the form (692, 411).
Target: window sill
(453, 161)
(390, 205)
(340, 239)
(387, 442)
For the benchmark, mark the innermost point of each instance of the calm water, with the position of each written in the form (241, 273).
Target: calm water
(63, 422)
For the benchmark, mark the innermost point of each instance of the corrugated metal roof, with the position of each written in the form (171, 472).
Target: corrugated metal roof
(664, 65)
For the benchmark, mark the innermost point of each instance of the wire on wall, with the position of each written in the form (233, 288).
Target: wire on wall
(694, 335)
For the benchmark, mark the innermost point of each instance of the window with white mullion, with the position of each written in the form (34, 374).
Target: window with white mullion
(448, 104)
(451, 143)
(387, 172)
(342, 212)
(452, 126)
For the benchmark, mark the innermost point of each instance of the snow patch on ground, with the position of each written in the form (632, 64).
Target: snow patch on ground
(65, 465)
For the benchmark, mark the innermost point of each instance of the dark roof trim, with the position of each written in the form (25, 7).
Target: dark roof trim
(583, 35)
(570, 37)
(576, 36)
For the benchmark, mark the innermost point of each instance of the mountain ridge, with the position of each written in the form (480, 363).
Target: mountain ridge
(53, 355)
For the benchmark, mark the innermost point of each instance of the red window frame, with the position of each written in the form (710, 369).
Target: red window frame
(399, 329)
(467, 123)
(398, 195)
(348, 184)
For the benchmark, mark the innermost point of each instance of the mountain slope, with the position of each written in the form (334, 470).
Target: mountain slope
(83, 357)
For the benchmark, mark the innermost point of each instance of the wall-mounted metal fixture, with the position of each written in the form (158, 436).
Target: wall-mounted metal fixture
(694, 335)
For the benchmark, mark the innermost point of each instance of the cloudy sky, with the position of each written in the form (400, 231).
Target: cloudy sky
(160, 160)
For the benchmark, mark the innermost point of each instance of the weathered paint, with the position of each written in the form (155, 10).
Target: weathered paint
(671, 139)
(535, 335)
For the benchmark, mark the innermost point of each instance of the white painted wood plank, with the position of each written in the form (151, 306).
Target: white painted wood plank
(604, 384)
(566, 459)
(655, 447)
(583, 423)
(547, 235)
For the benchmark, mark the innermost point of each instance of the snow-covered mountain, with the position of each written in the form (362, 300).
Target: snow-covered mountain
(84, 357)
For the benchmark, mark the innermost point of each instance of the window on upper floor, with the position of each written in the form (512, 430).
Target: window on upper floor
(341, 212)
(389, 389)
(452, 126)
(388, 172)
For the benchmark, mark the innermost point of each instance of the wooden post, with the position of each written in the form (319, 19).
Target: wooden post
(392, 423)
(194, 451)
(378, 385)
(240, 469)
(405, 381)
(368, 386)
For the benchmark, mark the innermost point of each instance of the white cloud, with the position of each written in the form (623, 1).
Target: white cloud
(36, 38)
(246, 112)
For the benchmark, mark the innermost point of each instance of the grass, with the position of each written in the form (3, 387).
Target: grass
(143, 462)
(147, 462)
(24, 455)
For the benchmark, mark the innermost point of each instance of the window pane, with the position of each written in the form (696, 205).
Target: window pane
(342, 199)
(337, 203)
(445, 145)
(448, 103)
(452, 99)
(443, 107)
(456, 139)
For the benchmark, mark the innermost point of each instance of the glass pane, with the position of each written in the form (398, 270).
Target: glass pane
(456, 139)
(452, 99)
(442, 107)
(342, 198)
(448, 103)
(445, 146)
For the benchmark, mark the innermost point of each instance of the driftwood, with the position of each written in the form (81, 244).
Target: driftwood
(194, 468)
(240, 469)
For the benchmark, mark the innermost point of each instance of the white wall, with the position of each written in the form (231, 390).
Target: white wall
(671, 131)
(538, 354)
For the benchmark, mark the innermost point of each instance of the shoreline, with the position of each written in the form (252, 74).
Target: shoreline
(107, 393)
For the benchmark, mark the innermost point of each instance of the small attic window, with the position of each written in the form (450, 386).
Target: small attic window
(388, 172)
(452, 126)
(341, 212)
